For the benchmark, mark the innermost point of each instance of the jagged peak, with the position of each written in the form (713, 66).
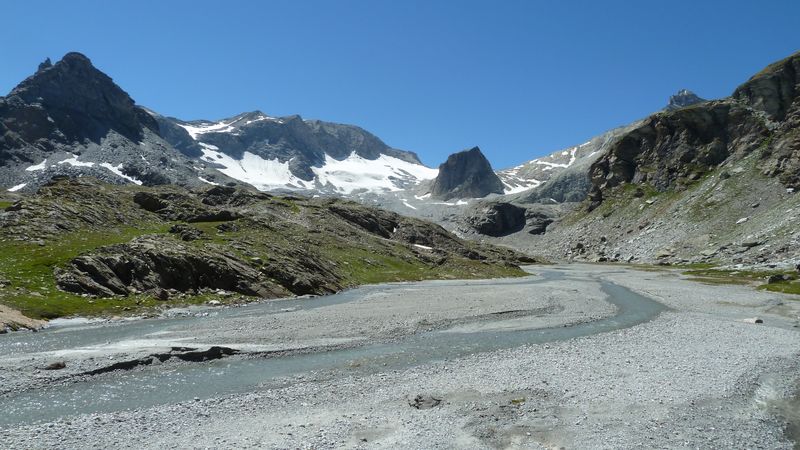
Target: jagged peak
(46, 64)
(682, 99)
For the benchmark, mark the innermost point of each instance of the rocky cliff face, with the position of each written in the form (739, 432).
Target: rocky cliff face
(466, 174)
(673, 149)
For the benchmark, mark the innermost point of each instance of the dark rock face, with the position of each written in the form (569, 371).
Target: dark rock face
(71, 101)
(675, 148)
(466, 174)
(776, 92)
(70, 119)
(149, 263)
(537, 222)
(682, 99)
(498, 219)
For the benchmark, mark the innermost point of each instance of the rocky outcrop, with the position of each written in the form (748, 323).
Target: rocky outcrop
(673, 149)
(775, 91)
(150, 263)
(497, 219)
(466, 174)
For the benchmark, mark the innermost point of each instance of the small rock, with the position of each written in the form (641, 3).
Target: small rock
(664, 253)
(742, 220)
(775, 279)
(160, 294)
(58, 365)
(425, 402)
(755, 205)
(750, 244)
(753, 320)
(214, 302)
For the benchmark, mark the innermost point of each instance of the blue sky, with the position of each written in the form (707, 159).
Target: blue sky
(518, 78)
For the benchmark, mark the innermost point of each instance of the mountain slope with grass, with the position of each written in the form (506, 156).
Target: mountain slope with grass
(79, 246)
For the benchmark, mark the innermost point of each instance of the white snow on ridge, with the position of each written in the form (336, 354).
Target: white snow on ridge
(218, 127)
(512, 187)
(118, 171)
(222, 126)
(17, 187)
(357, 173)
(208, 181)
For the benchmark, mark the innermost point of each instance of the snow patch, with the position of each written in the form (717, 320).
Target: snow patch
(74, 162)
(208, 181)
(17, 187)
(36, 167)
(512, 187)
(118, 172)
(210, 127)
(375, 175)
(263, 174)
(405, 202)
(424, 247)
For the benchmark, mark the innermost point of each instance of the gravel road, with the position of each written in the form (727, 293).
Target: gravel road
(698, 375)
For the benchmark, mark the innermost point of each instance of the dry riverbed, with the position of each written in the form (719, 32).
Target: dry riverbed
(697, 375)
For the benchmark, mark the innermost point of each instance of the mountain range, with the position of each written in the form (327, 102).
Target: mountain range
(590, 201)
(71, 119)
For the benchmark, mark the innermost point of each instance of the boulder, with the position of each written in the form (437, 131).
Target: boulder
(498, 219)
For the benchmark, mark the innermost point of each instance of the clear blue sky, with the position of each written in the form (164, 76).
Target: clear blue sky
(519, 78)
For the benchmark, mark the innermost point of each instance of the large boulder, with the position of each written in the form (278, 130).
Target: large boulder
(497, 219)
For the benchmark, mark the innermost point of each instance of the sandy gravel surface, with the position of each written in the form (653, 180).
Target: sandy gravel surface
(698, 375)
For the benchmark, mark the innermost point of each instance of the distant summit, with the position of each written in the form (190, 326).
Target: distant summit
(682, 99)
(466, 174)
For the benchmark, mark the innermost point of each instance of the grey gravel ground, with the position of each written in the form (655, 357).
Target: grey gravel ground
(698, 376)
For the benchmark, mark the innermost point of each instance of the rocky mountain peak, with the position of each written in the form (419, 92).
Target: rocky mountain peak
(466, 174)
(46, 64)
(682, 99)
(82, 101)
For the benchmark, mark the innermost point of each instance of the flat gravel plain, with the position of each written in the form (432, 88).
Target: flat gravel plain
(699, 375)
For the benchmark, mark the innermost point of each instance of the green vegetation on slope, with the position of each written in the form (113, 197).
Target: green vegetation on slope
(769, 280)
(296, 245)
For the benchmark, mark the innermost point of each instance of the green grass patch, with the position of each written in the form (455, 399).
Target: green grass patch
(29, 269)
(747, 277)
(5, 204)
(782, 287)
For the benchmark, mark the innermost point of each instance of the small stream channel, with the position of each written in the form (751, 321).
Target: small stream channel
(183, 382)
